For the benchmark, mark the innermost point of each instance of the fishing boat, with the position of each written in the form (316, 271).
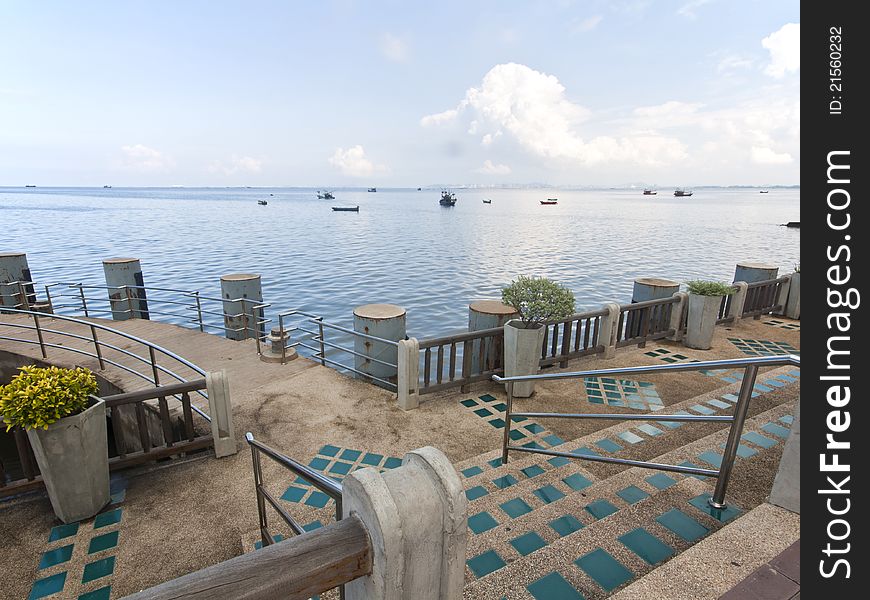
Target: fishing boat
(346, 208)
(107, 187)
(373, 189)
(262, 202)
(29, 185)
(649, 192)
(682, 193)
(447, 198)
(550, 201)
(419, 189)
(762, 191)
(325, 196)
(487, 201)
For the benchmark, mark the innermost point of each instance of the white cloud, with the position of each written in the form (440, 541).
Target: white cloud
(354, 162)
(439, 118)
(587, 24)
(143, 158)
(489, 168)
(688, 9)
(489, 138)
(766, 156)
(243, 164)
(733, 62)
(785, 52)
(394, 48)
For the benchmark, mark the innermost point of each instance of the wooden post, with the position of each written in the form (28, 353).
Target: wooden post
(735, 311)
(221, 412)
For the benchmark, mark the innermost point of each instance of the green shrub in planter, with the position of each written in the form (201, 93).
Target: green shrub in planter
(538, 300)
(709, 288)
(38, 397)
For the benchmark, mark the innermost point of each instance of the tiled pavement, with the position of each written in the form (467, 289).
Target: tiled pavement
(789, 325)
(763, 347)
(778, 579)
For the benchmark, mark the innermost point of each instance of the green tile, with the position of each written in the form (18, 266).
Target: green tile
(340, 468)
(483, 412)
(468, 403)
(505, 481)
(258, 545)
(318, 464)
(392, 462)
(476, 492)
(632, 494)
(488, 398)
(646, 545)
(293, 494)
(553, 587)
(47, 586)
(350, 455)
(534, 428)
(566, 525)
(56, 556)
(482, 521)
(515, 508)
(576, 482)
(711, 458)
(607, 572)
(559, 461)
(532, 471)
(608, 445)
(103, 542)
(628, 436)
(774, 429)
(584, 451)
(372, 459)
(317, 499)
(497, 423)
(682, 524)
(718, 404)
(703, 410)
(63, 531)
(720, 514)
(99, 568)
(500, 407)
(494, 463)
(758, 439)
(534, 445)
(660, 481)
(548, 494)
(472, 471)
(108, 518)
(485, 563)
(329, 450)
(516, 434)
(601, 508)
(312, 526)
(528, 543)
(104, 593)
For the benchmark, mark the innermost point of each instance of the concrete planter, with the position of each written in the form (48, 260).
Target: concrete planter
(522, 354)
(703, 311)
(793, 304)
(73, 458)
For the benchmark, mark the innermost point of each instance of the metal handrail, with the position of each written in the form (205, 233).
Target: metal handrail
(737, 420)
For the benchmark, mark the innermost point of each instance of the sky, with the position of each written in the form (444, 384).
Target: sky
(395, 93)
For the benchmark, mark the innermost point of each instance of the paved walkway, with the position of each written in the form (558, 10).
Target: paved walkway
(777, 579)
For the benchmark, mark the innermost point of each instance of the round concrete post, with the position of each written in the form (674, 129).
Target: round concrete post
(486, 314)
(126, 288)
(14, 269)
(385, 321)
(648, 288)
(241, 292)
(751, 272)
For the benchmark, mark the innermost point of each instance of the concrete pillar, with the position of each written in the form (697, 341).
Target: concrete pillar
(751, 272)
(793, 304)
(678, 316)
(609, 329)
(416, 519)
(738, 301)
(15, 275)
(408, 385)
(786, 490)
(782, 295)
(648, 288)
(386, 321)
(241, 292)
(126, 292)
(486, 314)
(220, 410)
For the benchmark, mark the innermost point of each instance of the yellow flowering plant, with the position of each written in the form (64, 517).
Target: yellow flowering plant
(39, 396)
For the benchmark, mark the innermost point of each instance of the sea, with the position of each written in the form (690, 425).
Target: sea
(402, 247)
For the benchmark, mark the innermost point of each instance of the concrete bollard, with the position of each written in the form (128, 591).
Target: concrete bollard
(782, 295)
(277, 350)
(738, 301)
(609, 329)
(241, 292)
(126, 288)
(408, 383)
(385, 321)
(678, 316)
(486, 314)
(220, 410)
(416, 518)
(16, 283)
(793, 304)
(648, 288)
(752, 272)
(786, 490)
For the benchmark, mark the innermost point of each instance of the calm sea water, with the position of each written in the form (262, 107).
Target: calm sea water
(402, 247)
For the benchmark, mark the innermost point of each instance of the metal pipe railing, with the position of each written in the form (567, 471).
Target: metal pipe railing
(723, 474)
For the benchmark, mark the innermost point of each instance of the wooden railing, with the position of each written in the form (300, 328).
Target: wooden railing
(724, 315)
(573, 337)
(644, 321)
(762, 296)
(461, 359)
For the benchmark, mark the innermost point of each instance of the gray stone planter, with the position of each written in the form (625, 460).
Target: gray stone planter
(703, 311)
(793, 304)
(73, 458)
(522, 354)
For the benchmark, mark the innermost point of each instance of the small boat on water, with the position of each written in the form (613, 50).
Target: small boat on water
(373, 189)
(762, 191)
(487, 201)
(682, 193)
(419, 189)
(325, 196)
(649, 192)
(107, 187)
(30, 185)
(346, 208)
(447, 198)
(550, 201)
(262, 202)
(794, 224)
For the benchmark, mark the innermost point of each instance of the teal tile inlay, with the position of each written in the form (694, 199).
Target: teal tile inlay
(559, 461)
(293, 494)
(104, 593)
(483, 412)
(505, 481)
(476, 492)
(553, 587)
(108, 518)
(566, 525)
(56, 556)
(742, 451)
(553, 439)
(720, 514)
(487, 398)
(47, 586)
(312, 526)
(469, 403)
(682, 525)
(528, 543)
(703, 410)
(730, 397)
(608, 445)
(63, 531)
(758, 439)
(777, 430)
(516, 419)
(632, 494)
(600, 509)
(98, 568)
(482, 521)
(392, 462)
(515, 508)
(607, 572)
(649, 429)
(329, 450)
(350, 455)
(500, 407)
(576, 482)
(548, 494)
(318, 463)
(372, 459)
(340, 468)
(516, 434)
(646, 545)
(317, 499)
(534, 428)
(472, 471)
(259, 543)
(584, 451)
(774, 382)
(485, 563)
(494, 463)
(787, 419)
(762, 388)
(660, 481)
(628, 436)
(718, 404)
(711, 458)
(534, 445)
(103, 542)
(497, 423)
(532, 471)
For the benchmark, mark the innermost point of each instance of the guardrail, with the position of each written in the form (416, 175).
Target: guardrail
(763, 297)
(469, 357)
(579, 337)
(722, 475)
(642, 321)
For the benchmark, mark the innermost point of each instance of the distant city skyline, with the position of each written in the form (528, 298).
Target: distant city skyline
(350, 94)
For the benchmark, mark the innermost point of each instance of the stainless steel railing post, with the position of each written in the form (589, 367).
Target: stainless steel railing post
(39, 335)
(261, 502)
(84, 302)
(154, 365)
(199, 310)
(507, 422)
(97, 348)
(322, 342)
(283, 340)
(740, 412)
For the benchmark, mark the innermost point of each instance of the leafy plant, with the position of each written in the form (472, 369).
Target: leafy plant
(709, 288)
(538, 299)
(37, 397)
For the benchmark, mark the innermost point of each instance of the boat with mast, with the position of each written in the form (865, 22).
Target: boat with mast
(447, 198)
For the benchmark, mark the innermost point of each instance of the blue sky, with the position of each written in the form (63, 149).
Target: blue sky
(390, 93)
